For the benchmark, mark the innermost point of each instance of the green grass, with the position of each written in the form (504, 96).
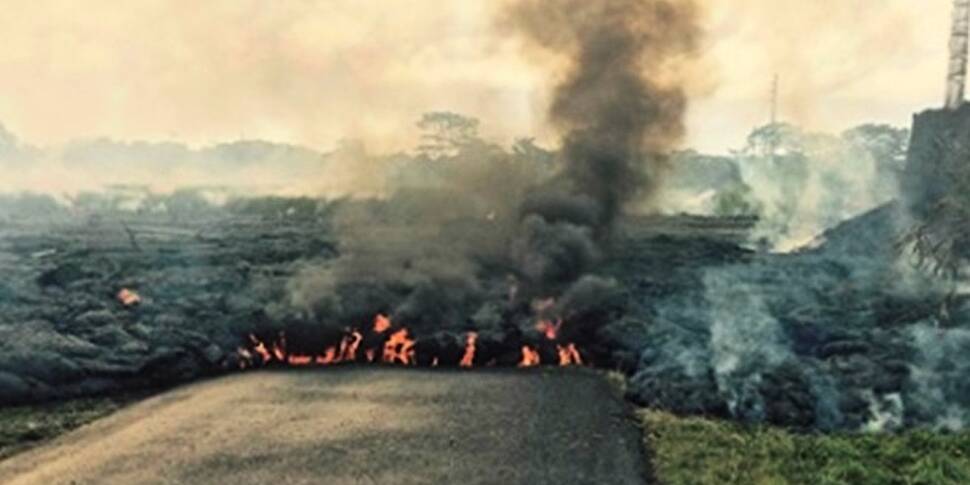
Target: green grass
(23, 426)
(705, 451)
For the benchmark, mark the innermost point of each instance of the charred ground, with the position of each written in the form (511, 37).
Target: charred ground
(205, 286)
(826, 338)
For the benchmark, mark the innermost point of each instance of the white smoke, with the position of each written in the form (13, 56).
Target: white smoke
(745, 340)
(797, 183)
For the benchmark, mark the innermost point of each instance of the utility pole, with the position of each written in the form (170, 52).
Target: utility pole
(956, 79)
(773, 132)
(774, 99)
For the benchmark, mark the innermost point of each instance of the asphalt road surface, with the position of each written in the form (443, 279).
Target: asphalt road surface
(356, 426)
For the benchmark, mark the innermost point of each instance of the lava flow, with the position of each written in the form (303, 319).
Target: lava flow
(388, 344)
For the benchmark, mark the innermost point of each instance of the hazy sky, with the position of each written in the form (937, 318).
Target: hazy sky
(313, 72)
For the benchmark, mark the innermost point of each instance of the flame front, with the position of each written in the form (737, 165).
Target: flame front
(392, 345)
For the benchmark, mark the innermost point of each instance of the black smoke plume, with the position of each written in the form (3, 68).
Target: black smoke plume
(619, 114)
(496, 235)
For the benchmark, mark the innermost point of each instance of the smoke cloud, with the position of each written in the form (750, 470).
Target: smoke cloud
(619, 114)
(487, 232)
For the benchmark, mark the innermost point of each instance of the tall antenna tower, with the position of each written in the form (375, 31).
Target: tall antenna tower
(956, 79)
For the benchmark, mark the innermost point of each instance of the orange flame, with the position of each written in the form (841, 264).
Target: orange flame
(549, 328)
(530, 358)
(279, 348)
(399, 348)
(381, 323)
(299, 360)
(329, 356)
(260, 348)
(348, 346)
(469, 358)
(569, 355)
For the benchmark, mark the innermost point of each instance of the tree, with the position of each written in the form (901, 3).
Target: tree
(887, 144)
(445, 134)
(940, 236)
(774, 139)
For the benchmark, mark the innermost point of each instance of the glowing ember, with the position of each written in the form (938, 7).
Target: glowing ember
(469, 358)
(128, 297)
(530, 358)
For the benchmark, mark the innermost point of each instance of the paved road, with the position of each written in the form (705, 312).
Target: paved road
(356, 426)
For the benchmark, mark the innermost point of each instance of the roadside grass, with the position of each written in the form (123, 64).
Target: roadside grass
(24, 426)
(690, 450)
